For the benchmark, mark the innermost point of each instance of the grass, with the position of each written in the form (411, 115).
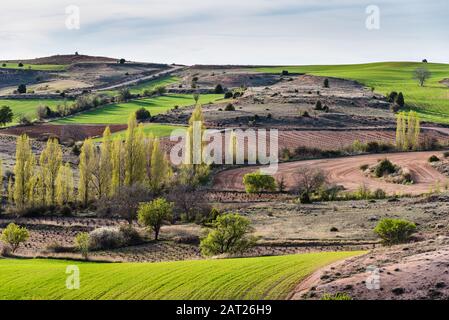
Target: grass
(117, 113)
(431, 101)
(146, 85)
(40, 67)
(248, 278)
(28, 107)
(158, 130)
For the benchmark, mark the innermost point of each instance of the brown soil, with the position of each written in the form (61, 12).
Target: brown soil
(346, 172)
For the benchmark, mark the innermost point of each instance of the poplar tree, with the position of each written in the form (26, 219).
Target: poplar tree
(105, 170)
(64, 185)
(86, 169)
(50, 161)
(10, 191)
(160, 168)
(23, 171)
(118, 166)
(134, 152)
(1, 177)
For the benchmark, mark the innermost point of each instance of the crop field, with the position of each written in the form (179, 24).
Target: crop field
(146, 85)
(40, 67)
(28, 107)
(431, 101)
(156, 129)
(247, 278)
(118, 112)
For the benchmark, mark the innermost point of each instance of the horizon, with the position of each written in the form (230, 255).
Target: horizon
(257, 32)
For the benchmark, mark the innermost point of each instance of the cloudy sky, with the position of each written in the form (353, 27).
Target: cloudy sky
(275, 32)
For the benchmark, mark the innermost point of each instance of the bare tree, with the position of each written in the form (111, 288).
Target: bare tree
(309, 181)
(422, 74)
(189, 201)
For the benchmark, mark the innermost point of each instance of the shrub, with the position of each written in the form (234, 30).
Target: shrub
(218, 89)
(229, 234)
(364, 167)
(131, 236)
(122, 61)
(154, 214)
(400, 100)
(13, 236)
(22, 88)
(124, 94)
(379, 194)
(434, 158)
(257, 182)
(228, 95)
(6, 115)
(305, 114)
(284, 72)
(446, 154)
(394, 231)
(326, 83)
(142, 114)
(230, 107)
(392, 96)
(318, 105)
(105, 238)
(20, 65)
(384, 167)
(82, 241)
(337, 296)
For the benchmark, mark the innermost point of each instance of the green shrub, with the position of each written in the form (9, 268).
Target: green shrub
(326, 83)
(394, 231)
(13, 235)
(230, 107)
(384, 167)
(154, 214)
(230, 234)
(257, 182)
(218, 89)
(337, 296)
(228, 95)
(434, 158)
(142, 114)
(82, 244)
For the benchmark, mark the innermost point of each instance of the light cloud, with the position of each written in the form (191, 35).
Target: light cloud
(228, 32)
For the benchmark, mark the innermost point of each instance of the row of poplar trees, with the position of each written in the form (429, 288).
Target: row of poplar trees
(408, 129)
(103, 170)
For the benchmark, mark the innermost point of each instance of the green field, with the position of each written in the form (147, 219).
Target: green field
(249, 278)
(431, 101)
(146, 85)
(118, 113)
(28, 107)
(40, 67)
(157, 129)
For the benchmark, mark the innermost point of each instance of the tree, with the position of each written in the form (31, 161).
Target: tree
(122, 61)
(22, 88)
(218, 89)
(257, 182)
(394, 231)
(230, 234)
(118, 166)
(124, 94)
(143, 114)
(82, 243)
(196, 97)
(23, 171)
(87, 167)
(64, 185)
(50, 161)
(134, 152)
(400, 100)
(13, 235)
(104, 175)
(6, 115)
(408, 130)
(422, 74)
(190, 202)
(309, 181)
(326, 83)
(160, 171)
(154, 214)
(318, 105)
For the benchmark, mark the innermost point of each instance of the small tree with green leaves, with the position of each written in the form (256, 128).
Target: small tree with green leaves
(394, 231)
(13, 235)
(257, 182)
(6, 115)
(82, 243)
(155, 214)
(230, 234)
(422, 75)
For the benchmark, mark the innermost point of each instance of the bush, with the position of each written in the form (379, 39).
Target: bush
(218, 89)
(230, 107)
(229, 235)
(384, 167)
(284, 72)
(434, 158)
(337, 296)
(318, 105)
(228, 95)
(82, 243)
(154, 214)
(326, 83)
(142, 114)
(400, 100)
(6, 115)
(446, 154)
(22, 88)
(394, 231)
(257, 182)
(106, 238)
(305, 114)
(13, 236)
(131, 236)
(379, 194)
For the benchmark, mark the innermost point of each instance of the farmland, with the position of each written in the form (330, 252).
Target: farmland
(37, 67)
(249, 278)
(156, 129)
(146, 85)
(28, 107)
(118, 112)
(431, 101)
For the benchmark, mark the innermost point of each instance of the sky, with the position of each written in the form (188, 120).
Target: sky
(245, 32)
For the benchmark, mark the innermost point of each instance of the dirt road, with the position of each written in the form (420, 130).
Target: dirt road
(346, 172)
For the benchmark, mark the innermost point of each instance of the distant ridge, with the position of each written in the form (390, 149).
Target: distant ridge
(66, 59)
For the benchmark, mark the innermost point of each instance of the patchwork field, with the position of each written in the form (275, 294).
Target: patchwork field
(146, 85)
(39, 67)
(430, 101)
(249, 278)
(119, 112)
